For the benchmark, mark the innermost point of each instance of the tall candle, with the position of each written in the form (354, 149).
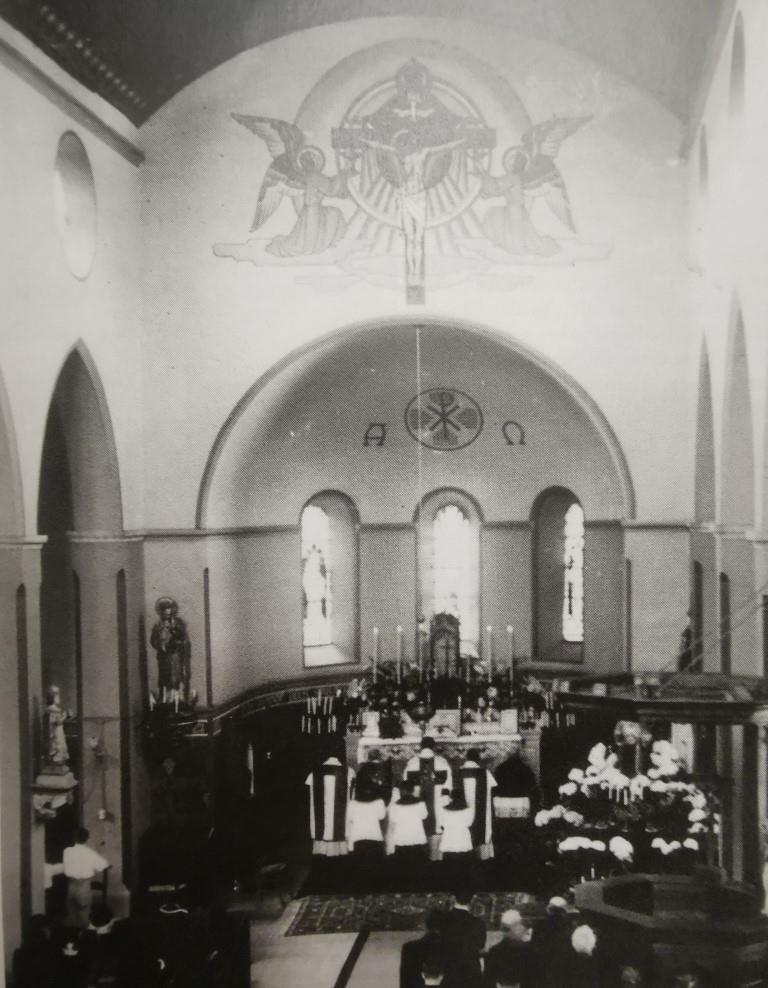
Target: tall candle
(399, 651)
(489, 631)
(511, 635)
(375, 651)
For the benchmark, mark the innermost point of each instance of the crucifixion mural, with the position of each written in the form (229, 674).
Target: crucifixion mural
(414, 195)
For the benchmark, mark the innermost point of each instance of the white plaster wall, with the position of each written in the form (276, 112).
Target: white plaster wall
(212, 326)
(46, 310)
(728, 223)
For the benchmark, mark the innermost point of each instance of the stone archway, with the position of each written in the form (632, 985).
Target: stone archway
(91, 581)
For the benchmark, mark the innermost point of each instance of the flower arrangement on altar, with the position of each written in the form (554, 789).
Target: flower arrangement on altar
(609, 820)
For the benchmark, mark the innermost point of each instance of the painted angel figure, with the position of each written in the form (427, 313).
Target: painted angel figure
(530, 174)
(297, 171)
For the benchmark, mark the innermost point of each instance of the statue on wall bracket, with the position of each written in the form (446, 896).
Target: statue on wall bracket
(54, 784)
(172, 646)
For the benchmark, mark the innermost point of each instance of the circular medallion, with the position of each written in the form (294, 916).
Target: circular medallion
(443, 419)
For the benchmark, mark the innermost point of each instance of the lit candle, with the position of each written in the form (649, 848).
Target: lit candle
(511, 636)
(375, 651)
(399, 651)
(489, 631)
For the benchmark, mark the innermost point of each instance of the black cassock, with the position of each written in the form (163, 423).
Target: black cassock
(515, 778)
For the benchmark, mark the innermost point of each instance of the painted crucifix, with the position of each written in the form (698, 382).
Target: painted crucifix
(414, 172)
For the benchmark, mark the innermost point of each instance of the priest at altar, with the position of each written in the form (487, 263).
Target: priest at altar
(330, 787)
(432, 773)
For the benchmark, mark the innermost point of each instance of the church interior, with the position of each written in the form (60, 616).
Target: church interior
(383, 436)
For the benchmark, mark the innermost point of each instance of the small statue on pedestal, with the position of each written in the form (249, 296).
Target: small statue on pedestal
(56, 753)
(170, 641)
(53, 786)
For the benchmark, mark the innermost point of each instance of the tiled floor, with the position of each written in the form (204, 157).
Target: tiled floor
(315, 961)
(295, 962)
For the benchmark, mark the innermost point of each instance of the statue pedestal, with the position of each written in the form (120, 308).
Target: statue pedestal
(51, 790)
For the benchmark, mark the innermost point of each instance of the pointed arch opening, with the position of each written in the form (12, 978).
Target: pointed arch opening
(738, 66)
(11, 496)
(79, 492)
(705, 502)
(737, 476)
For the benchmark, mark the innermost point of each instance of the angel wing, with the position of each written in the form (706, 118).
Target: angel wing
(555, 195)
(545, 138)
(285, 142)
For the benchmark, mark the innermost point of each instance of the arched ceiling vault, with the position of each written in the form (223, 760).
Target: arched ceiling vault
(139, 54)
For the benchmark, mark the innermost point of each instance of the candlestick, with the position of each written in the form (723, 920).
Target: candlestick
(489, 631)
(399, 651)
(511, 634)
(375, 651)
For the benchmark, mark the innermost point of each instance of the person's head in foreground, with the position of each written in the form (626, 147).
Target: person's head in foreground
(584, 940)
(513, 927)
(462, 898)
(433, 971)
(557, 906)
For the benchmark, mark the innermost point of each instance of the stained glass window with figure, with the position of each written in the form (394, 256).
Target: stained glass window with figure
(573, 584)
(316, 576)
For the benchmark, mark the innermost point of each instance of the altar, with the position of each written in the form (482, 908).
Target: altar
(493, 748)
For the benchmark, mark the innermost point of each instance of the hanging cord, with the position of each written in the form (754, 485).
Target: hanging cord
(419, 486)
(419, 445)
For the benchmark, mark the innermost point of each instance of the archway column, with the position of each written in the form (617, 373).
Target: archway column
(23, 850)
(112, 802)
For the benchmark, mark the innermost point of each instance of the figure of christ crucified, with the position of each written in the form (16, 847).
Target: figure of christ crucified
(412, 167)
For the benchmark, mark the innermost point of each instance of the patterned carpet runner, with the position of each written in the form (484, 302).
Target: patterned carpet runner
(397, 911)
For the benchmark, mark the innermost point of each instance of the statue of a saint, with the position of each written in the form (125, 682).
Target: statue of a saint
(170, 641)
(56, 756)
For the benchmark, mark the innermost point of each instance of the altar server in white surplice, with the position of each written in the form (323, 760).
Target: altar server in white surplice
(432, 774)
(329, 791)
(479, 786)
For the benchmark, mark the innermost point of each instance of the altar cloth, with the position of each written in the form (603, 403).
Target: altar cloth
(493, 748)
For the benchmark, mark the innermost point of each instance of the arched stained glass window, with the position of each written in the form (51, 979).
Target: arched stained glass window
(452, 534)
(450, 563)
(316, 576)
(330, 591)
(573, 584)
(558, 576)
